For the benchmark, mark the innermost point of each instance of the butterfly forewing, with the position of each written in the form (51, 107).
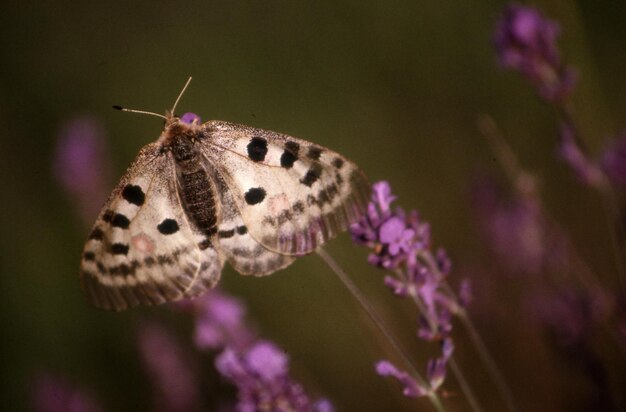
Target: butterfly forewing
(142, 249)
(293, 195)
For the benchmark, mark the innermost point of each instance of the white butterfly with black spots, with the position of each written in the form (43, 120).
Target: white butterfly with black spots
(203, 194)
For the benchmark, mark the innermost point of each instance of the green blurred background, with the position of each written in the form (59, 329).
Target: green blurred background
(394, 85)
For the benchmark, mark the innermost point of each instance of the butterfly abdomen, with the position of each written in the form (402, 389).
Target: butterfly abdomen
(196, 188)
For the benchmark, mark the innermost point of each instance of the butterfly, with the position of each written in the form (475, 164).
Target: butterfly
(208, 193)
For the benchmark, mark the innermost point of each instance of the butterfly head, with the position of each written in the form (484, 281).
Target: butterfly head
(181, 130)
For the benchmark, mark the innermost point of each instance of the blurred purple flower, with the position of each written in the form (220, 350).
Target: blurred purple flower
(613, 161)
(220, 321)
(571, 315)
(258, 368)
(261, 376)
(516, 229)
(586, 169)
(81, 164)
(171, 371)
(54, 394)
(525, 41)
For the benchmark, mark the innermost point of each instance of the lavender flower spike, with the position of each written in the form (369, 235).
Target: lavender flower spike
(401, 243)
(525, 41)
(258, 368)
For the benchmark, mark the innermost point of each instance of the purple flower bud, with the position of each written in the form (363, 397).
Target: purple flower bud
(395, 234)
(437, 367)
(382, 195)
(267, 361)
(411, 388)
(190, 118)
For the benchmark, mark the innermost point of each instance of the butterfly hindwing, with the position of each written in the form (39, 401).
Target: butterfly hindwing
(292, 195)
(243, 252)
(143, 249)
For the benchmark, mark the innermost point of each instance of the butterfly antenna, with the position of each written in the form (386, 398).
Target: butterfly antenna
(180, 95)
(123, 109)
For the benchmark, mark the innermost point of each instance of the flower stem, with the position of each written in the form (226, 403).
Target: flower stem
(481, 348)
(488, 361)
(376, 319)
(465, 387)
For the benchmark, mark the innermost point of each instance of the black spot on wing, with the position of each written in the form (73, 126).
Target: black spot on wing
(242, 230)
(314, 153)
(290, 155)
(257, 149)
(96, 234)
(312, 175)
(298, 207)
(168, 226)
(225, 234)
(89, 256)
(133, 194)
(204, 244)
(119, 220)
(338, 162)
(119, 249)
(107, 216)
(255, 195)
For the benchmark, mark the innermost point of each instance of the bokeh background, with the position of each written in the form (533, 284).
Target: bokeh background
(397, 86)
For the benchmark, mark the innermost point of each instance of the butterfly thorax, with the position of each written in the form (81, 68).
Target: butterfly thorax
(195, 187)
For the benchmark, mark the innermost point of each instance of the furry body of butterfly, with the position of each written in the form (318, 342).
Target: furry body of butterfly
(203, 194)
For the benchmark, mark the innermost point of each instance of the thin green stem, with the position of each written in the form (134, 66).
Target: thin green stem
(488, 361)
(465, 387)
(456, 369)
(615, 231)
(376, 319)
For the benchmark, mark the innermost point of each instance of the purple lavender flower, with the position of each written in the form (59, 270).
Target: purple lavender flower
(613, 161)
(260, 374)
(525, 41)
(81, 164)
(258, 368)
(401, 243)
(171, 371)
(55, 394)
